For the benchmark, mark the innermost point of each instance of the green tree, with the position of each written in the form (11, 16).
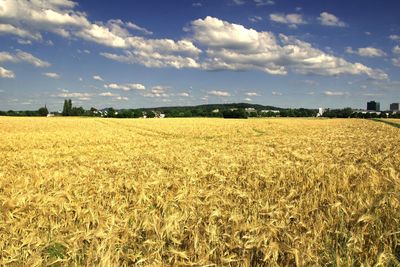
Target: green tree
(65, 108)
(43, 111)
(150, 114)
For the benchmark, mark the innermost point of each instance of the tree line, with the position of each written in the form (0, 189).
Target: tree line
(233, 110)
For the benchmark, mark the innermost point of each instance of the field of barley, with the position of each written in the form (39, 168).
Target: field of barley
(199, 192)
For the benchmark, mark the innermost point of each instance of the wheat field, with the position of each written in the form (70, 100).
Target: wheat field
(199, 192)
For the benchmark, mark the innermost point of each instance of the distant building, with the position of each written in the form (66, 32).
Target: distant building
(270, 111)
(394, 107)
(50, 115)
(373, 106)
(321, 112)
(250, 109)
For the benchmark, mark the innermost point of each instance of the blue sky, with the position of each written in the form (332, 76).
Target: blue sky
(131, 54)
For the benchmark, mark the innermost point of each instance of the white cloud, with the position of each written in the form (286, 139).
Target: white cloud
(24, 42)
(264, 2)
(10, 29)
(248, 99)
(138, 28)
(372, 94)
(60, 17)
(366, 52)
(396, 62)
(197, 4)
(252, 94)
(79, 96)
(126, 86)
(5, 73)
(255, 18)
(219, 93)
(234, 47)
(184, 94)
(153, 60)
(123, 98)
(276, 93)
(86, 51)
(227, 46)
(97, 78)
(328, 19)
(396, 49)
(109, 94)
(21, 56)
(335, 93)
(239, 2)
(394, 37)
(292, 19)
(52, 75)
(157, 91)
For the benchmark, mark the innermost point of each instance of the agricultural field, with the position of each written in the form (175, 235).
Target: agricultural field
(199, 192)
(393, 121)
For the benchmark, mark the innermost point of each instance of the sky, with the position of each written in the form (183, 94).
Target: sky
(151, 53)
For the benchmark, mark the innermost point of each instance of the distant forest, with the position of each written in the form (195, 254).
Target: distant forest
(232, 110)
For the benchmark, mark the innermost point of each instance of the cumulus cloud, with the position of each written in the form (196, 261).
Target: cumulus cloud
(184, 94)
(394, 37)
(21, 56)
(255, 18)
(52, 75)
(60, 17)
(234, 47)
(367, 52)
(24, 42)
(97, 78)
(276, 93)
(251, 94)
(335, 93)
(157, 91)
(134, 26)
(264, 2)
(123, 98)
(396, 49)
(5, 73)
(12, 30)
(126, 86)
(396, 62)
(247, 99)
(239, 2)
(219, 93)
(292, 19)
(227, 46)
(114, 96)
(328, 19)
(109, 94)
(79, 96)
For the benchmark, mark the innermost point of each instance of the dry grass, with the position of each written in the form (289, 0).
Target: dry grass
(199, 192)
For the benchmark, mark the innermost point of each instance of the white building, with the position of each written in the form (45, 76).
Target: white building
(270, 111)
(321, 112)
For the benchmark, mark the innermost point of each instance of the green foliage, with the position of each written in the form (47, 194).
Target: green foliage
(43, 111)
(234, 114)
(56, 251)
(67, 108)
(150, 114)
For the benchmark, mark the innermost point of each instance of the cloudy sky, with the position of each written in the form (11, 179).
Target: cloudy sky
(124, 53)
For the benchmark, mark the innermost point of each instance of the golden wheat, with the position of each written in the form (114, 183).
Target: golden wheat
(199, 192)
